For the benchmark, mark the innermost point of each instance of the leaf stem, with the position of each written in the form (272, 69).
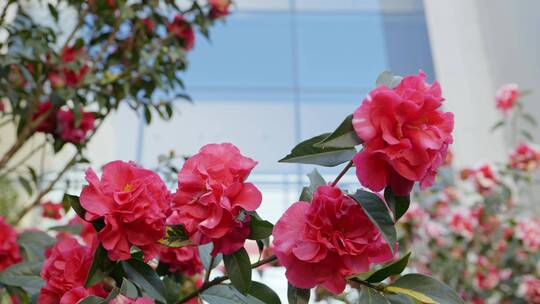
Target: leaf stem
(342, 173)
(207, 274)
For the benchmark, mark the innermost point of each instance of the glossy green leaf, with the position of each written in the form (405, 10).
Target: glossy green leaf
(74, 229)
(378, 213)
(424, 289)
(26, 185)
(264, 293)
(142, 274)
(388, 270)
(129, 289)
(238, 268)
(297, 295)
(343, 137)
(92, 300)
(175, 237)
(306, 153)
(398, 204)
(24, 275)
(259, 229)
(371, 296)
(315, 180)
(100, 268)
(204, 254)
(34, 244)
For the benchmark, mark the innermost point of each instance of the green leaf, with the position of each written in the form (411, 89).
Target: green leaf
(497, 125)
(378, 213)
(315, 180)
(398, 204)
(371, 296)
(172, 289)
(530, 119)
(204, 254)
(395, 298)
(297, 295)
(34, 244)
(424, 289)
(142, 274)
(92, 300)
(343, 137)
(238, 268)
(129, 289)
(101, 267)
(74, 229)
(26, 185)
(260, 229)
(24, 275)
(223, 294)
(53, 12)
(264, 293)
(175, 237)
(527, 135)
(306, 153)
(391, 269)
(388, 79)
(75, 204)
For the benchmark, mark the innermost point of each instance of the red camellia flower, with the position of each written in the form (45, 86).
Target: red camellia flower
(405, 135)
(65, 271)
(149, 24)
(51, 210)
(48, 124)
(506, 97)
(328, 240)
(183, 260)
(182, 30)
(525, 158)
(219, 8)
(121, 299)
(213, 195)
(9, 249)
(70, 131)
(133, 202)
(66, 75)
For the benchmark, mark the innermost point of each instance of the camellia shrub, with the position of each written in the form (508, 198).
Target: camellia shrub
(58, 83)
(472, 226)
(135, 240)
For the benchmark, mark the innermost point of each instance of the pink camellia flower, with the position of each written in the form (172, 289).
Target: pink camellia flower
(121, 299)
(9, 249)
(65, 271)
(219, 8)
(328, 240)
(51, 210)
(48, 124)
(70, 131)
(213, 195)
(528, 231)
(182, 30)
(487, 276)
(415, 215)
(405, 135)
(506, 97)
(525, 158)
(529, 289)
(463, 222)
(133, 202)
(484, 179)
(183, 260)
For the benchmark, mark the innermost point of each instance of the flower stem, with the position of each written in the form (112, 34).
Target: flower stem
(342, 173)
(207, 274)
